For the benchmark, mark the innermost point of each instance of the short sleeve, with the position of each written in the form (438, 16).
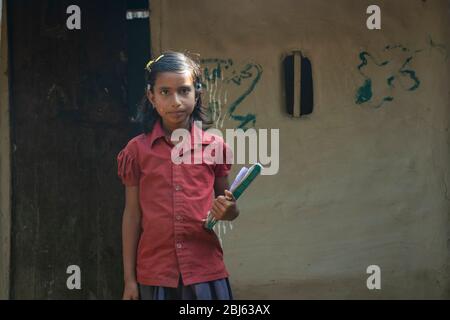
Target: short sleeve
(128, 166)
(223, 169)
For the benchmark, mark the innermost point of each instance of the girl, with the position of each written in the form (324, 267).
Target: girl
(167, 253)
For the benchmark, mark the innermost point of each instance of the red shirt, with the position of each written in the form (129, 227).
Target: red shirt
(174, 200)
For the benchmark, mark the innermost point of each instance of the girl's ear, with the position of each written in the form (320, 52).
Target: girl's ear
(150, 96)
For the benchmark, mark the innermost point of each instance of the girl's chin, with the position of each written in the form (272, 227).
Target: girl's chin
(178, 117)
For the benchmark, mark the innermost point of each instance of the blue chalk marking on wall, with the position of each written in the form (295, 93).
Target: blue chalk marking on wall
(364, 93)
(220, 75)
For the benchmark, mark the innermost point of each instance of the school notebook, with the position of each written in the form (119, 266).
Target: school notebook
(242, 181)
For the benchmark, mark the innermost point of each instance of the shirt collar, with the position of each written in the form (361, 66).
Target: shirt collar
(158, 132)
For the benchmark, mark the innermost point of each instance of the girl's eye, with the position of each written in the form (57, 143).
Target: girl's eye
(185, 90)
(164, 92)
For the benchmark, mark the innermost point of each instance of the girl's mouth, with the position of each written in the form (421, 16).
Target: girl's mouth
(177, 113)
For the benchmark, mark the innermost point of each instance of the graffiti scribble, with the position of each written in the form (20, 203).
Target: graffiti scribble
(405, 72)
(227, 87)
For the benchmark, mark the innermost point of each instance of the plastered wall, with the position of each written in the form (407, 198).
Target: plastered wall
(364, 179)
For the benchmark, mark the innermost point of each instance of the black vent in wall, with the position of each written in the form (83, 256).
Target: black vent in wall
(298, 85)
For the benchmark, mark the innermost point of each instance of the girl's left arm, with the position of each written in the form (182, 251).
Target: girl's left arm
(224, 205)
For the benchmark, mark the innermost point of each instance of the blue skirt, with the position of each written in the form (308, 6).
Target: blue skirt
(211, 290)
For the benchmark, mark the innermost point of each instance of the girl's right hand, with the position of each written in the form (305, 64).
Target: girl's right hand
(131, 291)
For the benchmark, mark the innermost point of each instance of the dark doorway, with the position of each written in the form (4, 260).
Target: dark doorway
(71, 100)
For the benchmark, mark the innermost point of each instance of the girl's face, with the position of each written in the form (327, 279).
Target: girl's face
(173, 97)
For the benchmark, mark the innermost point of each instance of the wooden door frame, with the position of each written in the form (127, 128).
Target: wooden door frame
(5, 162)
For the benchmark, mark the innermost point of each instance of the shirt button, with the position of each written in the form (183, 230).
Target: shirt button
(179, 245)
(178, 187)
(179, 218)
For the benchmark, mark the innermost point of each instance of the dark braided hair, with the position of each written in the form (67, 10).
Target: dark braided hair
(171, 61)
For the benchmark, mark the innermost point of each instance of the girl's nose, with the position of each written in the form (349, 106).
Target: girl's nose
(176, 101)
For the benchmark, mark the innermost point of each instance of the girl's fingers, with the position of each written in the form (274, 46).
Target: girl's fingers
(222, 200)
(229, 195)
(219, 210)
(219, 206)
(215, 213)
